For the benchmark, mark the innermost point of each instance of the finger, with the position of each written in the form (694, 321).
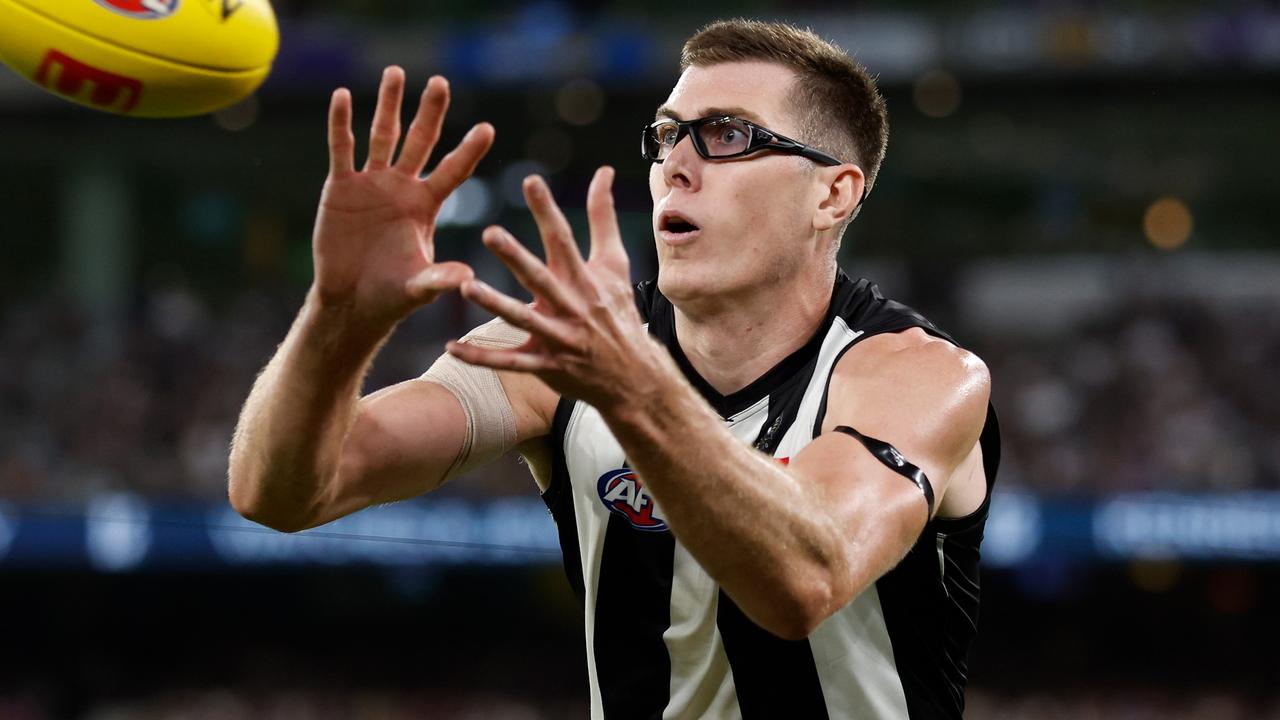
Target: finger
(424, 131)
(341, 142)
(546, 328)
(499, 358)
(535, 276)
(458, 165)
(602, 218)
(557, 235)
(385, 131)
(437, 278)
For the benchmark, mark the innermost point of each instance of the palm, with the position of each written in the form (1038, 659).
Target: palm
(373, 236)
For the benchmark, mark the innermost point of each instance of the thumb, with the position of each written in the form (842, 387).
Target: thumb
(437, 278)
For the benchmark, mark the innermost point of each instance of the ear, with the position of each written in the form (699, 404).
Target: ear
(842, 185)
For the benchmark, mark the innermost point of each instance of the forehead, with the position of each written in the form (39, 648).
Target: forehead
(761, 89)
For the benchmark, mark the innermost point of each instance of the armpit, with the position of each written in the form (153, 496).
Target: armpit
(537, 456)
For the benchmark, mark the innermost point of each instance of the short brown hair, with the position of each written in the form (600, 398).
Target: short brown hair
(835, 99)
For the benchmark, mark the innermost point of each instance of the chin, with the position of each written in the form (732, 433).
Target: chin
(677, 283)
(684, 280)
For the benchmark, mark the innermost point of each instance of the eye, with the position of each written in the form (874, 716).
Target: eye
(666, 133)
(728, 136)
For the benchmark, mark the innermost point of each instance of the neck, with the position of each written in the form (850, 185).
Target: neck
(731, 343)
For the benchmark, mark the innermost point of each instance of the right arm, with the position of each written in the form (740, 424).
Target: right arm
(307, 449)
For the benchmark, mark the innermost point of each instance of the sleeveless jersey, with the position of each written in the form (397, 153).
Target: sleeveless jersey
(664, 641)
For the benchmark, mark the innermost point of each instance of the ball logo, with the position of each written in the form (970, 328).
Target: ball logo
(623, 494)
(66, 75)
(142, 9)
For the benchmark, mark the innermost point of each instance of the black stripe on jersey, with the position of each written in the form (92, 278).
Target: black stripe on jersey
(633, 610)
(931, 603)
(774, 678)
(559, 500)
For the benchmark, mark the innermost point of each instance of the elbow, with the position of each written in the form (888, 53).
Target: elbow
(250, 504)
(252, 509)
(256, 513)
(803, 606)
(811, 590)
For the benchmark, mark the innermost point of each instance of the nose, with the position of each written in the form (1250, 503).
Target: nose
(682, 166)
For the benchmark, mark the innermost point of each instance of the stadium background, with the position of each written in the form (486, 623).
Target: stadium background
(1082, 192)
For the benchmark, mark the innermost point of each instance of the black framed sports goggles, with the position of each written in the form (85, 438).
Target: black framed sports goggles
(719, 137)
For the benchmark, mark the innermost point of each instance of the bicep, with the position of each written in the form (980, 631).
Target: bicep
(876, 513)
(926, 399)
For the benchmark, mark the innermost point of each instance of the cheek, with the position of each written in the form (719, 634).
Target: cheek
(773, 207)
(773, 225)
(657, 186)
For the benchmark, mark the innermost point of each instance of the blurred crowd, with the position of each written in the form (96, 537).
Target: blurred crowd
(146, 405)
(1179, 396)
(1176, 397)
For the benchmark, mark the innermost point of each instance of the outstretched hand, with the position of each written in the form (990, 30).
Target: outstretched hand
(586, 338)
(373, 243)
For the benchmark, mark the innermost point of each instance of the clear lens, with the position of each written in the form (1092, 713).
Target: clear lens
(726, 136)
(714, 137)
(660, 138)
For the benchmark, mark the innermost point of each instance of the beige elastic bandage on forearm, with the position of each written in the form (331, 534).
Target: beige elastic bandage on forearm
(491, 423)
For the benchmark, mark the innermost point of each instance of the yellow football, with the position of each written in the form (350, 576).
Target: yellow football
(147, 58)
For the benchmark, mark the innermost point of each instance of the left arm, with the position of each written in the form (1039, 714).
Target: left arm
(793, 544)
(799, 542)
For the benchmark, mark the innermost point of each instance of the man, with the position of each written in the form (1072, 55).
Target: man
(770, 482)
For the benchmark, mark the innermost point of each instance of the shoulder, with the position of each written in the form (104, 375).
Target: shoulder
(911, 384)
(911, 355)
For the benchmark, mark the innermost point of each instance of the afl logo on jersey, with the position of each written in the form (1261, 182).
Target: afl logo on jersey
(142, 9)
(623, 493)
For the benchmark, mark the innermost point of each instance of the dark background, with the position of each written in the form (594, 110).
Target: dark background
(1082, 193)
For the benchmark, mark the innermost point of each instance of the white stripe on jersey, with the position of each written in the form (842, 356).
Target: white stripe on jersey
(855, 642)
(591, 518)
(701, 680)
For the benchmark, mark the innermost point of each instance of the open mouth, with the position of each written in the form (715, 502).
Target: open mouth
(676, 224)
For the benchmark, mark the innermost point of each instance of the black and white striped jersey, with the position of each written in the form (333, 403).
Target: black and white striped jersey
(664, 641)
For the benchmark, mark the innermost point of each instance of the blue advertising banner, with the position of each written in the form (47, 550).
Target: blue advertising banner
(120, 532)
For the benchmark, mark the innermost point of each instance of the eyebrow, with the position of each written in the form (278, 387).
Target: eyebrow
(667, 112)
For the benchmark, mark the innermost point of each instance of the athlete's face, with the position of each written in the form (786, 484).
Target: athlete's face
(754, 215)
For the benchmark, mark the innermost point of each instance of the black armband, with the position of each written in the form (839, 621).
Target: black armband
(893, 459)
